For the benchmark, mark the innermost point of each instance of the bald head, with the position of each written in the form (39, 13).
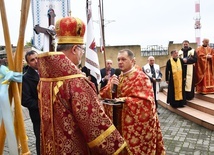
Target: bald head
(205, 42)
(151, 60)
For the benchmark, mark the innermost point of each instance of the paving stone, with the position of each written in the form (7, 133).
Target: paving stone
(181, 136)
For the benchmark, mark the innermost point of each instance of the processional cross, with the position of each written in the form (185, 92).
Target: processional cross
(46, 31)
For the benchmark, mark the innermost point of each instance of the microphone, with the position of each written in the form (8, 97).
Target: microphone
(117, 72)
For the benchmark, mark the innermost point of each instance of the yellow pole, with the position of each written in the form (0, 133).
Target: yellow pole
(20, 46)
(3, 136)
(15, 90)
(10, 61)
(19, 123)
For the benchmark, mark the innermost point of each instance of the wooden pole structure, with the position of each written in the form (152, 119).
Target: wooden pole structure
(9, 59)
(20, 46)
(3, 136)
(20, 131)
(102, 29)
(46, 31)
(51, 21)
(18, 119)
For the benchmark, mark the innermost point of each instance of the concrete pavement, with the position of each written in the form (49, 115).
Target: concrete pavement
(181, 136)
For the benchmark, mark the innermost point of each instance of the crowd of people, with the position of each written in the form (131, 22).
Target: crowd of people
(64, 103)
(189, 71)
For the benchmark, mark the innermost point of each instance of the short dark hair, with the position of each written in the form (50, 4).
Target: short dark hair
(29, 53)
(129, 52)
(173, 51)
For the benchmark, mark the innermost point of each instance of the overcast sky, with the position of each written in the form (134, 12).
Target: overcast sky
(141, 22)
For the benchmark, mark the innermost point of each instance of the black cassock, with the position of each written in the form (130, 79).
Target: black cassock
(190, 60)
(171, 91)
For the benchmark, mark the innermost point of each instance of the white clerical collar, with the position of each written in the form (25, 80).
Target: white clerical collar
(129, 71)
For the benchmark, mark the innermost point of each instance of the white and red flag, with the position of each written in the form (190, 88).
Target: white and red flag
(91, 57)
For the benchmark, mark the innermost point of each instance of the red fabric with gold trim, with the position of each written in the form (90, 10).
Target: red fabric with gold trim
(140, 124)
(70, 30)
(108, 110)
(72, 119)
(205, 71)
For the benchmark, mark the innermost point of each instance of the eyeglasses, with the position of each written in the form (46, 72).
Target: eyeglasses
(82, 48)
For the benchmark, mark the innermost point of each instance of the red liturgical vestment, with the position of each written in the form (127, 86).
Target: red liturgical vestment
(139, 120)
(205, 70)
(73, 121)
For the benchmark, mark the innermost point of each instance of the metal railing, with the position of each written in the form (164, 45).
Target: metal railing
(154, 50)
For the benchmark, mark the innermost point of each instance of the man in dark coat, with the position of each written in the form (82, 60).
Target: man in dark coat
(175, 78)
(106, 73)
(30, 94)
(189, 57)
(90, 77)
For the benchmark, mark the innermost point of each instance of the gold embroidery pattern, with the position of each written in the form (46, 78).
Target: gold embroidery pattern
(139, 115)
(73, 117)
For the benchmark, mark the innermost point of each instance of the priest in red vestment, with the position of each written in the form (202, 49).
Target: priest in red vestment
(139, 120)
(205, 69)
(73, 121)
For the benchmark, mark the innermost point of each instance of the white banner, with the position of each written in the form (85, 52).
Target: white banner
(91, 61)
(40, 16)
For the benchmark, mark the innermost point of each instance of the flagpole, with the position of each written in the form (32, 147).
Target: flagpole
(87, 9)
(102, 30)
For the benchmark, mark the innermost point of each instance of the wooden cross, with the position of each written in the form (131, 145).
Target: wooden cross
(46, 31)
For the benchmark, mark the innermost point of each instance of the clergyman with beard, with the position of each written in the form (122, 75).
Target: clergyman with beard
(189, 56)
